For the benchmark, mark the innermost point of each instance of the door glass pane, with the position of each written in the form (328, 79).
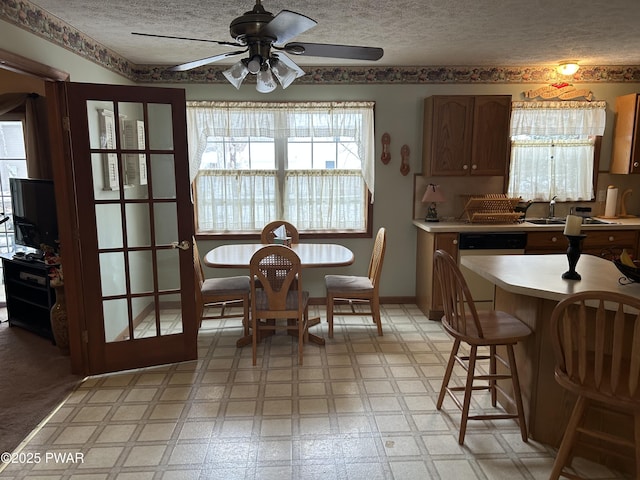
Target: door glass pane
(104, 170)
(109, 226)
(166, 223)
(160, 127)
(169, 269)
(170, 314)
(163, 175)
(102, 130)
(138, 226)
(136, 175)
(141, 272)
(116, 320)
(112, 274)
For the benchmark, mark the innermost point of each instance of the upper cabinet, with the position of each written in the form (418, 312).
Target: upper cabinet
(625, 156)
(466, 135)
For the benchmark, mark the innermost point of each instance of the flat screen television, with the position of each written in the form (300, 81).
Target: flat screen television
(34, 212)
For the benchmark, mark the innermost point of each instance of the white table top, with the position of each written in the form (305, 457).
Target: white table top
(541, 275)
(311, 255)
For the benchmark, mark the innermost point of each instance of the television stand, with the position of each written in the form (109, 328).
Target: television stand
(29, 294)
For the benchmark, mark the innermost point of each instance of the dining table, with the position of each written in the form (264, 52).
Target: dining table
(312, 255)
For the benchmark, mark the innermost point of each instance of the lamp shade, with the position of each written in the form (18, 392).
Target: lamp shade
(568, 68)
(285, 70)
(265, 82)
(236, 74)
(433, 194)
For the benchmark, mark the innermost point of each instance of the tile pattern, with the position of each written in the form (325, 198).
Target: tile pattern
(361, 407)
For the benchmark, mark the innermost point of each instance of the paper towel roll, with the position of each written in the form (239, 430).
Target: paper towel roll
(611, 202)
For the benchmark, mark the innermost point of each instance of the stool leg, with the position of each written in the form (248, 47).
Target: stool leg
(447, 373)
(517, 393)
(568, 439)
(468, 389)
(636, 426)
(492, 371)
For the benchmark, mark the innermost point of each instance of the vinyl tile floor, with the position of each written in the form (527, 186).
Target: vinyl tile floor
(360, 408)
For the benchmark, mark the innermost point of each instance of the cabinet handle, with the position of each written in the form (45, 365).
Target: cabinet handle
(635, 164)
(554, 239)
(455, 242)
(473, 167)
(611, 238)
(465, 167)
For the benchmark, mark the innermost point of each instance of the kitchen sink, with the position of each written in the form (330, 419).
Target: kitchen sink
(546, 221)
(562, 221)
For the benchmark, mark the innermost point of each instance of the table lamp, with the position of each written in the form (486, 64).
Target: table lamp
(432, 195)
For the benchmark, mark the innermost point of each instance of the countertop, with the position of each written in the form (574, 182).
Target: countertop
(540, 276)
(462, 226)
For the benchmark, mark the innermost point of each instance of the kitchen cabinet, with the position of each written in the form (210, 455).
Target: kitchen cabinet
(466, 135)
(599, 243)
(428, 293)
(625, 156)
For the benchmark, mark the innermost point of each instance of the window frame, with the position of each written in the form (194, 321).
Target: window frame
(367, 214)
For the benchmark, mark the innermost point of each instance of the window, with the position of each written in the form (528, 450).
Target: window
(13, 163)
(553, 149)
(308, 163)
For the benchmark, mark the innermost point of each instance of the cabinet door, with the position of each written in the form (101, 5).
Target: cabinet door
(625, 156)
(447, 135)
(490, 146)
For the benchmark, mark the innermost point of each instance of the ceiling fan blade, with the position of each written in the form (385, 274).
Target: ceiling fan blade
(287, 25)
(233, 44)
(204, 61)
(333, 51)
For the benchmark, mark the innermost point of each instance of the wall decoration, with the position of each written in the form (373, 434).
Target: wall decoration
(561, 91)
(404, 165)
(386, 155)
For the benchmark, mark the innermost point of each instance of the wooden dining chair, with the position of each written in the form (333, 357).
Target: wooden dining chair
(598, 359)
(221, 293)
(351, 289)
(485, 328)
(267, 235)
(277, 269)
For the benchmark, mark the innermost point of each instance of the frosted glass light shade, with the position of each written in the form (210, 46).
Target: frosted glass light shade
(265, 82)
(568, 68)
(236, 74)
(285, 70)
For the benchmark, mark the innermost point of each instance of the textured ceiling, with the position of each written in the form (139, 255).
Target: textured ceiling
(412, 32)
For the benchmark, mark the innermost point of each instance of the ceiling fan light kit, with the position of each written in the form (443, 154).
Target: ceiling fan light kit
(259, 31)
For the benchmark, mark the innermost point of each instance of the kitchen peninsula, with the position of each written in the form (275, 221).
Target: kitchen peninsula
(529, 287)
(604, 238)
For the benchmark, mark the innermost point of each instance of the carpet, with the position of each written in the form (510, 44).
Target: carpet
(34, 379)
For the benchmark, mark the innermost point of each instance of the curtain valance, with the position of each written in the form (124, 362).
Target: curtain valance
(282, 120)
(558, 118)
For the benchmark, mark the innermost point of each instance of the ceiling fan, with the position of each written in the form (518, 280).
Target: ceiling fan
(258, 32)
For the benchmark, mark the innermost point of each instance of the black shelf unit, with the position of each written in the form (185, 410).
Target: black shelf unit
(29, 294)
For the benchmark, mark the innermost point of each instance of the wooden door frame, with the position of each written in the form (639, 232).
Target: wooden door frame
(63, 185)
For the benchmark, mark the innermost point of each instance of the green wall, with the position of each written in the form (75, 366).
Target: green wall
(398, 112)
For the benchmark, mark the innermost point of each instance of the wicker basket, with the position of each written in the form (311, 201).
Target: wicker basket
(492, 208)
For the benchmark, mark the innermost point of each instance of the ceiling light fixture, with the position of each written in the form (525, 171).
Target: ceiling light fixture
(568, 67)
(280, 66)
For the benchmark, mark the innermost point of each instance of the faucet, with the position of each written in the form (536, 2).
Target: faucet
(552, 207)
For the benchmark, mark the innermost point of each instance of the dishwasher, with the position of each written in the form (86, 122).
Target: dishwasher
(487, 243)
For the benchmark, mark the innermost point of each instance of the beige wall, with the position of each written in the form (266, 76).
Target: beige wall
(398, 112)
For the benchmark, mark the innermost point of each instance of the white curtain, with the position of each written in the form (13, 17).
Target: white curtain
(296, 119)
(558, 118)
(236, 201)
(310, 199)
(552, 149)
